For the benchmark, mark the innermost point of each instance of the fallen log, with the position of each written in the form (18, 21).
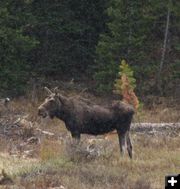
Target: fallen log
(141, 127)
(153, 128)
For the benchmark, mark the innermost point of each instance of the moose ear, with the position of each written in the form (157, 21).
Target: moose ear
(62, 98)
(48, 90)
(56, 90)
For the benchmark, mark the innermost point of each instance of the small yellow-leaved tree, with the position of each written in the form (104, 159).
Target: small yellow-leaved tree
(125, 85)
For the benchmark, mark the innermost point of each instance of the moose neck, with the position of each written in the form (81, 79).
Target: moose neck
(64, 111)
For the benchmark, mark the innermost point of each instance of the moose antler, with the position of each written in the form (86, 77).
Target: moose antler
(56, 90)
(48, 90)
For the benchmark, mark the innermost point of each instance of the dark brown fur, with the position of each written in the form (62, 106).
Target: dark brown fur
(82, 118)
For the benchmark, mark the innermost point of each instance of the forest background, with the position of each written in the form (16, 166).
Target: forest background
(61, 40)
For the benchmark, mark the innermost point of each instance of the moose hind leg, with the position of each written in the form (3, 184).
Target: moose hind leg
(129, 145)
(122, 142)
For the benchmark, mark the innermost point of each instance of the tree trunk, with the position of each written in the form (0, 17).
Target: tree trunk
(159, 79)
(130, 30)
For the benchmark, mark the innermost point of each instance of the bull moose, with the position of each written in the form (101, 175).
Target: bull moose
(81, 117)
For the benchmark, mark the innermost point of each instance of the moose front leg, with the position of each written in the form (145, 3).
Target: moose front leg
(122, 142)
(76, 137)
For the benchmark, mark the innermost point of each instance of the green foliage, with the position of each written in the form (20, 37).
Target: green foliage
(175, 67)
(135, 33)
(48, 38)
(60, 39)
(14, 49)
(124, 69)
(125, 38)
(68, 32)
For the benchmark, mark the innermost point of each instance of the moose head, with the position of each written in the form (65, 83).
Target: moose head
(51, 105)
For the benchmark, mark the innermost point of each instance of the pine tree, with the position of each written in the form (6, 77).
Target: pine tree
(126, 38)
(68, 31)
(15, 47)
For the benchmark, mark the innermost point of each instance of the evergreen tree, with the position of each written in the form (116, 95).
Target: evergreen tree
(14, 47)
(68, 31)
(126, 39)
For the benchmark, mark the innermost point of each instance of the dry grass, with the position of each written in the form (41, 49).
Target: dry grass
(13, 165)
(50, 149)
(158, 115)
(153, 159)
(160, 109)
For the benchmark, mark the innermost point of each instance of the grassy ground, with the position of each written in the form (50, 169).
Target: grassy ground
(154, 157)
(57, 164)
